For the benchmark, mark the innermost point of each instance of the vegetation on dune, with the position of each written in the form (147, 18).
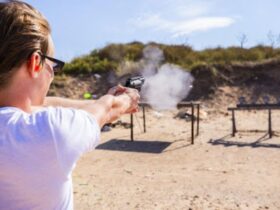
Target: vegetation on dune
(111, 57)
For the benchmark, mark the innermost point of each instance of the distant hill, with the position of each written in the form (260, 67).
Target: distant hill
(111, 57)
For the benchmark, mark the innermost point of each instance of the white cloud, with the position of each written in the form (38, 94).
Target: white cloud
(200, 24)
(183, 19)
(193, 10)
(149, 21)
(182, 27)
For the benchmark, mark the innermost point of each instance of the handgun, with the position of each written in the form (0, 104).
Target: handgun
(135, 82)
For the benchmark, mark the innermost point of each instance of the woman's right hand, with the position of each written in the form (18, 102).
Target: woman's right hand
(134, 98)
(116, 90)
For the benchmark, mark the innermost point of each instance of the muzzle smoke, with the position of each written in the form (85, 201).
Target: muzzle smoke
(165, 85)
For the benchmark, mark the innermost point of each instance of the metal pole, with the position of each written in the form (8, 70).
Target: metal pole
(131, 127)
(144, 119)
(269, 123)
(197, 122)
(192, 125)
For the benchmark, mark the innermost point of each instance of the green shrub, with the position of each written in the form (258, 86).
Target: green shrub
(113, 57)
(88, 64)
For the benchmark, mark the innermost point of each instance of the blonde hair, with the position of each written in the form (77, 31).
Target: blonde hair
(23, 30)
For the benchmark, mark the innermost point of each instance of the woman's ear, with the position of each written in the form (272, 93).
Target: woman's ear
(34, 65)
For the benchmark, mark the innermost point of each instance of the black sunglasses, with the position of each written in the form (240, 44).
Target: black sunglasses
(58, 64)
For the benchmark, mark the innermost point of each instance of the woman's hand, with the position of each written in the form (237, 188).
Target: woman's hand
(134, 100)
(132, 93)
(116, 90)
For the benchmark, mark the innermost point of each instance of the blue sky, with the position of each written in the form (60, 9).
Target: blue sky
(78, 27)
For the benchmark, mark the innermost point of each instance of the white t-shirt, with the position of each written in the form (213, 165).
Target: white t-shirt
(38, 152)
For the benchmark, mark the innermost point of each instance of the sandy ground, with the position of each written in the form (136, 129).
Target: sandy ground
(162, 170)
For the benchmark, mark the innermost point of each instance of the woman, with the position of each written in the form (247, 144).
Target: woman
(42, 138)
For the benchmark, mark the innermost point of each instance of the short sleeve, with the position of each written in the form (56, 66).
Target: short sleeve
(74, 132)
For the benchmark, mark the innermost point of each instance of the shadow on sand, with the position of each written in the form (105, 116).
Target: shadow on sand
(135, 146)
(227, 141)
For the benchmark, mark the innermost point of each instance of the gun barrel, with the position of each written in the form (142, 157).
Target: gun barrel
(135, 82)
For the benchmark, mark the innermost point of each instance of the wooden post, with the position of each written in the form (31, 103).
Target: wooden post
(269, 123)
(192, 124)
(131, 127)
(144, 119)
(233, 123)
(197, 122)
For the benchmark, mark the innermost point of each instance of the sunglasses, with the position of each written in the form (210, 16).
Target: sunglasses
(57, 64)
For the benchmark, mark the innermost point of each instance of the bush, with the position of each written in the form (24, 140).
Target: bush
(88, 64)
(114, 56)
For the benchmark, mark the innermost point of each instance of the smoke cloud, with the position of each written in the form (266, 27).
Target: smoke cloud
(165, 85)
